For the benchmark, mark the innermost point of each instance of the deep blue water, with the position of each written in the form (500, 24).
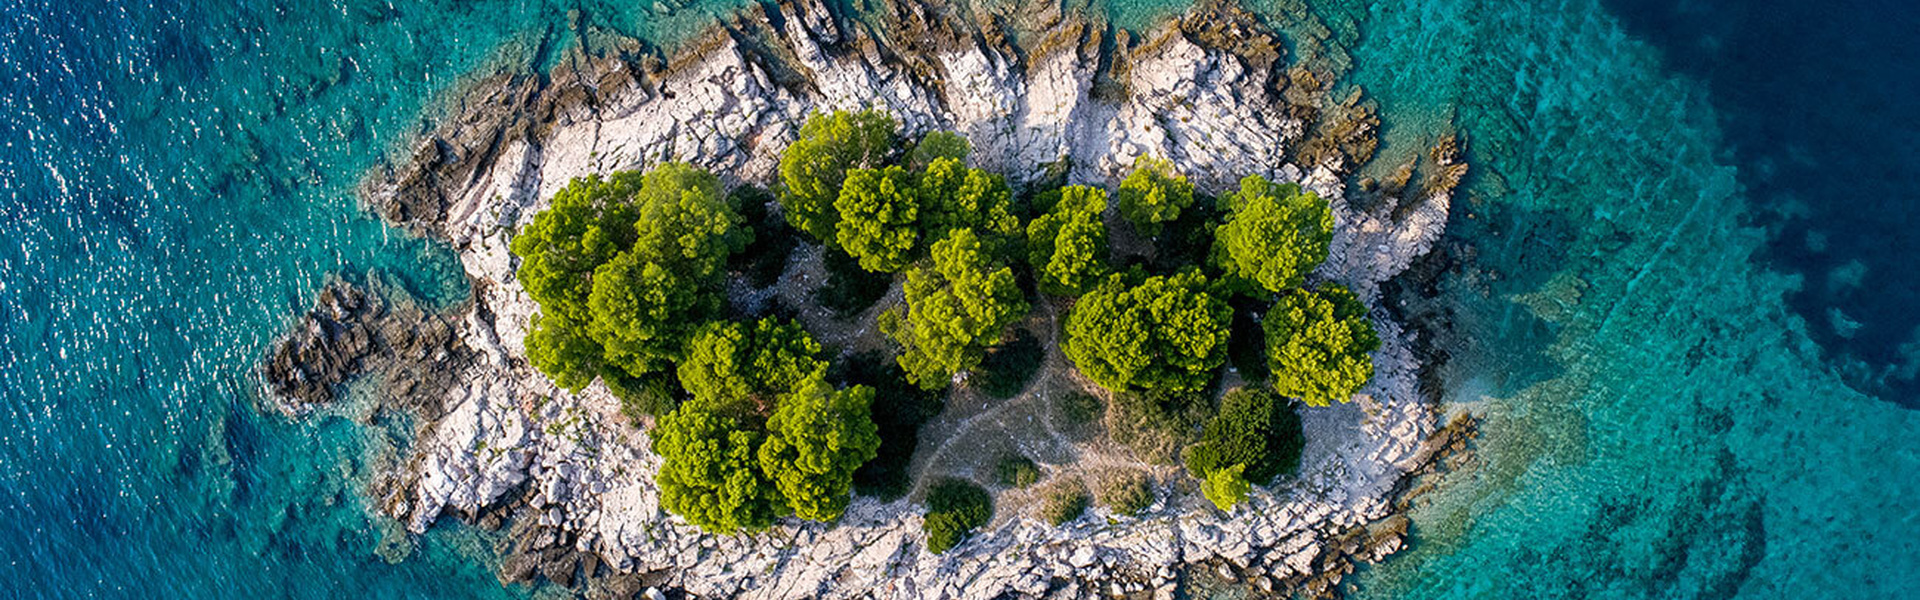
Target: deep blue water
(1665, 205)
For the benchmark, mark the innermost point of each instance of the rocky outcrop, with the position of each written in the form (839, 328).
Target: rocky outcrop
(360, 326)
(1209, 92)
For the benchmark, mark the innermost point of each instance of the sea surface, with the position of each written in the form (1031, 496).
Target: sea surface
(1682, 295)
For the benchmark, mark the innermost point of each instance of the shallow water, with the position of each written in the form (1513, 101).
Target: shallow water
(1666, 401)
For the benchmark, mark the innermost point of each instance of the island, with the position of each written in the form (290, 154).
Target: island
(943, 306)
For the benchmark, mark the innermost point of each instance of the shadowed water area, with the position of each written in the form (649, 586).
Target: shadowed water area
(1637, 295)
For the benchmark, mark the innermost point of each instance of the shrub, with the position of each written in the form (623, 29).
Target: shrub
(1015, 471)
(1255, 429)
(1226, 487)
(651, 395)
(1275, 234)
(813, 168)
(954, 509)
(1124, 491)
(1319, 345)
(1067, 246)
(1153, 194)
(1166, 332)
(1063, 501)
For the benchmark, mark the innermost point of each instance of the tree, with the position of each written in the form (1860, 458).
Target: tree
(879, 217)
(1275, 233)
(953, 196)
(1256, 430)
(708, 474)
(956, 307)
(937, 145)
(1226, 487)
(590, 221)
(814, 166)
(648, 299)
(1068, 245)
(1167, 332)
(740, 367)
(816, 438)
(562, 350)
(1153, 194)
(954, 508)
(1320, 344)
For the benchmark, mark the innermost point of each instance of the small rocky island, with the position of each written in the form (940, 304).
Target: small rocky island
(925, 304)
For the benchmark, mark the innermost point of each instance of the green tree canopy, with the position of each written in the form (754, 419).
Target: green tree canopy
(956, 307)
(733, 367)
(1255, 429)
(937, 145)
(1275, 233)
(562, 350)
(648, 299)
(953, 196)
(814, 166)
(1167, 332)
(590, 221)
(1068, 245)
(1319, 345)
(816, 439)
(709, 474)
(879, 217)
(1153, 194)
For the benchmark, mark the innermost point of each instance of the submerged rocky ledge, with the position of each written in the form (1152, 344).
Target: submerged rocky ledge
(497, 443)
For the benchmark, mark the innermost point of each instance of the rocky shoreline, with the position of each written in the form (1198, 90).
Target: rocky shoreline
(499, 445)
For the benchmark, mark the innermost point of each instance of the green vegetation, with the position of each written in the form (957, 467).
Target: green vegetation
(954, 508)
(815, 440)
(1124, 491)
(710, 474)
(622, 268)
(754, 422)
(1167, 332)
(1226, 487)
(814, 166)
(956, 307)
(1015, 471)
(1256, 431)
(954, 197)
(937, 145)
(1275, 233)
(1153, 194)
(1320, 344)
(1063, 501)
(1068, 246)
(879, 217)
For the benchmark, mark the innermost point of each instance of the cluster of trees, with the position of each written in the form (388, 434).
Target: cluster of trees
(629, 271)
(950, 227)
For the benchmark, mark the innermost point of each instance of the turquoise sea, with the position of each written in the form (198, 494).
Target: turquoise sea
(1682, 303)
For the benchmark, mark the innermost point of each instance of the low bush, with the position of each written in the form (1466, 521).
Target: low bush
(1156, 425)
(1015, 471)
(1124, 491)
(899, 409)
(954, 508)
(1256, 428)
(1063, 501)
(1008, 368)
